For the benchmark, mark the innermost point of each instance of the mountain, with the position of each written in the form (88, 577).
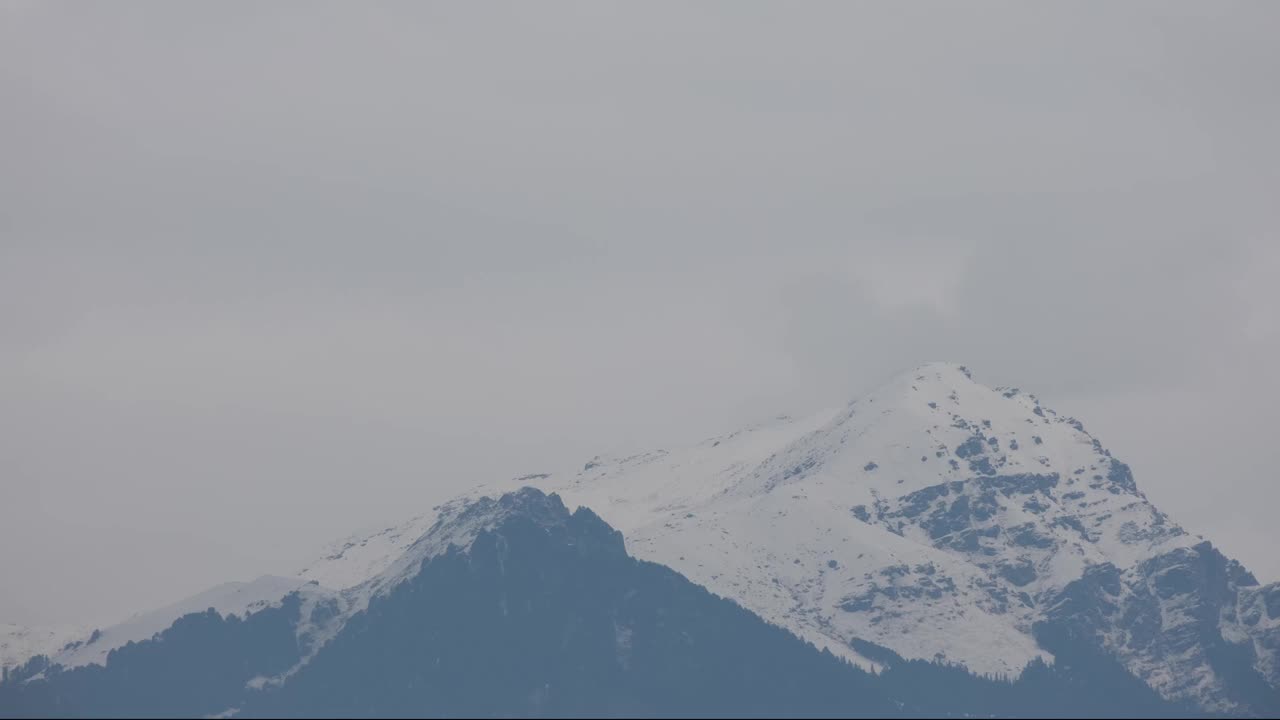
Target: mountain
(516, 607)
(937, 517)
(20, 642)
(932, 525)
(233, 598)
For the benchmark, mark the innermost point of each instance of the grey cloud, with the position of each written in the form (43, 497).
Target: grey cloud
(268, 272)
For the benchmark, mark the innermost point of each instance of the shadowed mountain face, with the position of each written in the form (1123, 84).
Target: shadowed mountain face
(192, 668)
(541, 614)
(1200, 621)
(546, 615)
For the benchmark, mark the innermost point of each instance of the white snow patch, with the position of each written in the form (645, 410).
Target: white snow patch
(239, 598)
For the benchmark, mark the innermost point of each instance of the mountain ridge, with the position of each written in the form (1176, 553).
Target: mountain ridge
(936, 517)
(517, 607)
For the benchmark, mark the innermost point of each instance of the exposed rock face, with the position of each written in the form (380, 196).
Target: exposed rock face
(1191, 623)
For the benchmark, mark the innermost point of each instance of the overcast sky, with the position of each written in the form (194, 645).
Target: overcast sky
(273, 272)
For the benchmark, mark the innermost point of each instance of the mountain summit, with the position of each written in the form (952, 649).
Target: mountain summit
(940, 518)
(933, 519)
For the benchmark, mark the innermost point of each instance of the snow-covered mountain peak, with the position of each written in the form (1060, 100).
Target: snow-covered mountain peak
(935, 424)
(359, 558)
(456, 524)
(935, 377)
(935, 515)
(18, 643)
(973, 502)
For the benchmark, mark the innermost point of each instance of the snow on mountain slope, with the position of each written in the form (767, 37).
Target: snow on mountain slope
(457, 524)
(935, 516)
(358, 557)
(234, 597)
(834, 526)
(18, 643)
